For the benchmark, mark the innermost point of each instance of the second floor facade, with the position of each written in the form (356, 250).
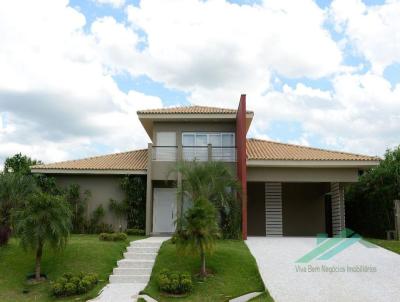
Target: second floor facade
(193, 133)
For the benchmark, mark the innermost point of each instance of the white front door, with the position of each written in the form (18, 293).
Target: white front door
(164, 210)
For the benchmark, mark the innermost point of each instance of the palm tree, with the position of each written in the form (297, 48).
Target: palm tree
(215, 182)
(43, 219)
(198, 232)
(15, 189)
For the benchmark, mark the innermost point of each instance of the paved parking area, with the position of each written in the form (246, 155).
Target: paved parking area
(357, 273)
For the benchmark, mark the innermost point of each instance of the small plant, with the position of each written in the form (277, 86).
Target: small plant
(95, 225)
(135, 232)
(113, 237)
(198, 231)
(69, 284)
(176, 283)
(78, 203)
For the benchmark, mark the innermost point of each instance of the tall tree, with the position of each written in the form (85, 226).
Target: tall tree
(213, 181)
(19, 164)
(15, 189)
(44, 219)
(369, 202)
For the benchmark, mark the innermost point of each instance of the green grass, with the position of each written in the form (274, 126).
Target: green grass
(391, 245)
(83, 253)
(265, 297)
(235, 272)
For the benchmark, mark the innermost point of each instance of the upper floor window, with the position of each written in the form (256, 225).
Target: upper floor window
(195, 146)
(199, 139)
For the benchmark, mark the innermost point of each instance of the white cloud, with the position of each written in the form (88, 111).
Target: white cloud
(361, 114)
(374, 31)
(60, 100)
(115, 43)
(214, 44)
(113, 3)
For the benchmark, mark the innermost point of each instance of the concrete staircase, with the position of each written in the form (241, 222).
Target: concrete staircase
(133, 272)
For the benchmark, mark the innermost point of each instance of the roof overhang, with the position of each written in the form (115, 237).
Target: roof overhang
(313, 163)
(148, 119)
(88, 171)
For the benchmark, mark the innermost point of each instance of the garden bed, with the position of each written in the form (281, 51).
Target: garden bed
(235, 272)
(83, 253)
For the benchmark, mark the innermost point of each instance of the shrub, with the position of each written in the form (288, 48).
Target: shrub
(176, 283)
(95, 224)
(4, 235)
(58, 289)
(135, 232)
(70, 284)
(113, 237)
(69, 289)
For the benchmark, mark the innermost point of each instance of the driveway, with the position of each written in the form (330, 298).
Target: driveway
(357, 273)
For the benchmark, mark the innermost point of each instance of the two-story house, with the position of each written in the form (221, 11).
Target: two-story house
(288, 190)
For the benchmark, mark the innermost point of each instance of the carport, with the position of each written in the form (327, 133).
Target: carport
(300, 201)
(294, 208)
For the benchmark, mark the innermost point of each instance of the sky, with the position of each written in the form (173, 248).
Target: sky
(317, 73)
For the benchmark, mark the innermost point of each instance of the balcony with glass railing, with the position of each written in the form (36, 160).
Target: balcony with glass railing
(165, 153)
(194, 153)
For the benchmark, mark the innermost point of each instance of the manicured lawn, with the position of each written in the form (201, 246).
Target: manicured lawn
(83, 253)
(391, 245)
(235, 272)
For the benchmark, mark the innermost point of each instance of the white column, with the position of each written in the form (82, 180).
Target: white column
(273, 209)
(338, 211)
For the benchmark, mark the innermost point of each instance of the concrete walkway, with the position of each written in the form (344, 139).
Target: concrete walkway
(133, 272)
(286, 282)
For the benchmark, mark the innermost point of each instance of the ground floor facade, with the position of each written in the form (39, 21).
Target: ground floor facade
(274, 208)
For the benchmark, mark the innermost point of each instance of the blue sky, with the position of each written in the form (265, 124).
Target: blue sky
(323, 73)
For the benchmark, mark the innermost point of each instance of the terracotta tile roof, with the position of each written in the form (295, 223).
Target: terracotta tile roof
(256, 150)
(132, 160)
(267, 150)
(190, 110)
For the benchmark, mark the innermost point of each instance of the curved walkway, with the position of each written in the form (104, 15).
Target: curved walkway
(287, 282)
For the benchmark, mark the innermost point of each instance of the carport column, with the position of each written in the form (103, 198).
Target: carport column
(273, 209)
(149, 191)
(338, 211)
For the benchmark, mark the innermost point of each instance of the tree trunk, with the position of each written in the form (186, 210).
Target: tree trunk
(203, 272)
(39, 252)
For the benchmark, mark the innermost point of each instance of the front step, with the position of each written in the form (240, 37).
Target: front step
(145, 244)
(132, 271)
(132, 263)
(143, 256)
(141, 250)
(129, 279)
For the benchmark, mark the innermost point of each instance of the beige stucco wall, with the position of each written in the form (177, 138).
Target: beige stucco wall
(303, 208)
(160, 169)
(191, 127)
(302, 174)
(102, 188)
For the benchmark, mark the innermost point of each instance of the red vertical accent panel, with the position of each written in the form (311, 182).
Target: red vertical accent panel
(241, 159)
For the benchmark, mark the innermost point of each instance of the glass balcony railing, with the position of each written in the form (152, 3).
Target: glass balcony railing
(165, 153)
(195, 153)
